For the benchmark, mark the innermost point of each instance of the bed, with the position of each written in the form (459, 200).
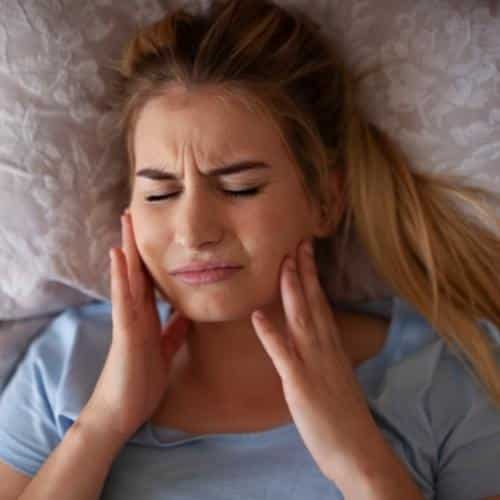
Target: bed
(62, 172)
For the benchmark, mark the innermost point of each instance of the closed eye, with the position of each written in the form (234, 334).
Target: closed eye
(246, 192)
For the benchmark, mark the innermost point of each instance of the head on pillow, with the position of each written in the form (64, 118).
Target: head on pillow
(257, 82)
(200, 116)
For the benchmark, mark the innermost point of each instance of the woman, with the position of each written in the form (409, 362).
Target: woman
(244, 144)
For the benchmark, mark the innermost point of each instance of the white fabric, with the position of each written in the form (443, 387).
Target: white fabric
(62, 175)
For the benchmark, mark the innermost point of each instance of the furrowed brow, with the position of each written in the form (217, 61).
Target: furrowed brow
(158, 172)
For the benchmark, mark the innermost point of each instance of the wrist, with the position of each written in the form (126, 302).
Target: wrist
(379, 488)
(378, 475)
(92, 427)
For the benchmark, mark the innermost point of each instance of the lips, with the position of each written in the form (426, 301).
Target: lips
(205, 277)
(204, 266)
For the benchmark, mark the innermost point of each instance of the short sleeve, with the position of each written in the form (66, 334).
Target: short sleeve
(467, 426)
(28, 430)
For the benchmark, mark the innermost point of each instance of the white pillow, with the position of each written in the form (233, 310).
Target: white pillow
(60, 172)
(62, 176)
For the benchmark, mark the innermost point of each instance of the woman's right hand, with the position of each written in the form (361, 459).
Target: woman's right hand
(134, 378)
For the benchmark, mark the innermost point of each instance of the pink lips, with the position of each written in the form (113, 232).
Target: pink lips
(208, 276)
(202, 266)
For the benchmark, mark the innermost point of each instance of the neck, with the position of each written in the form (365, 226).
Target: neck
(228, 363)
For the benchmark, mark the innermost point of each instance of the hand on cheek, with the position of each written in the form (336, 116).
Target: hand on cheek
(325, 399)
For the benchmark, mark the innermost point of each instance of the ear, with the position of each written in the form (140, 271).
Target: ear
(326, 221)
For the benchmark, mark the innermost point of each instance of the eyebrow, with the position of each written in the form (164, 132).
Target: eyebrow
(158, 173)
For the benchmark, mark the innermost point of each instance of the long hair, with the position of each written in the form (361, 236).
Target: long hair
(277, 61)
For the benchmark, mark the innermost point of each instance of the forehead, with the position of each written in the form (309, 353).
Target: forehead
(207, 122)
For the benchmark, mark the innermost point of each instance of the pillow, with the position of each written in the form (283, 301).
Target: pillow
(437, 95)
(60, 171)
(62, 174)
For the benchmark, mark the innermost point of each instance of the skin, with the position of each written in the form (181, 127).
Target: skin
(190, 134)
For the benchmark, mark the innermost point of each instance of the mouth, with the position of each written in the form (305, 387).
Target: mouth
(207, 276)
(203, 266)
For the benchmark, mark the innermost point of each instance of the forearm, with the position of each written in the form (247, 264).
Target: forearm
(78, 467)
(377, 475)
(391, 483)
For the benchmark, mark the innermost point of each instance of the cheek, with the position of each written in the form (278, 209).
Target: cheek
(280, 229)
(150, 245)
(269, 248)
(153, 253)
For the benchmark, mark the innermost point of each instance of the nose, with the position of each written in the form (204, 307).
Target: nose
(197, 220)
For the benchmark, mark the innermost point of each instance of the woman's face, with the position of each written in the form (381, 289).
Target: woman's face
(188, 137)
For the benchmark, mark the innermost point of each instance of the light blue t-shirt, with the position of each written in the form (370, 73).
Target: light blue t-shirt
(435, 416)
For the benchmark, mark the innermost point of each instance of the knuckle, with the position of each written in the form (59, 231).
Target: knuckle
(300, 320)
(311, 339)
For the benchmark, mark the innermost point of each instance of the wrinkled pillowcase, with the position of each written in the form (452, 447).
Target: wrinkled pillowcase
(62, 174)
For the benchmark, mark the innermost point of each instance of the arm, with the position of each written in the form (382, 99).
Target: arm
(395, 484)
(383, 477)
(78, 467)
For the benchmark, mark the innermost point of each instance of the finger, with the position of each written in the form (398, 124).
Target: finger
(135, 272)
(121, 300)
(175, 335)
(318, 304)
(175, 321)
(297, 313)
(276, 346)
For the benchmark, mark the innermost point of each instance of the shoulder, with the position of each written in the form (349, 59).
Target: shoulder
(434, 410)
(457, 395)
(77, 332)
(82, 330)
(62, 363)
(429, 391)
(70, 354)
(424, 365)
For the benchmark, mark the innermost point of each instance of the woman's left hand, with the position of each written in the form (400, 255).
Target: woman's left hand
(324, 397)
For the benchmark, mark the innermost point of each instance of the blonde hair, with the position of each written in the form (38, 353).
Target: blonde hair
(278, 61)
